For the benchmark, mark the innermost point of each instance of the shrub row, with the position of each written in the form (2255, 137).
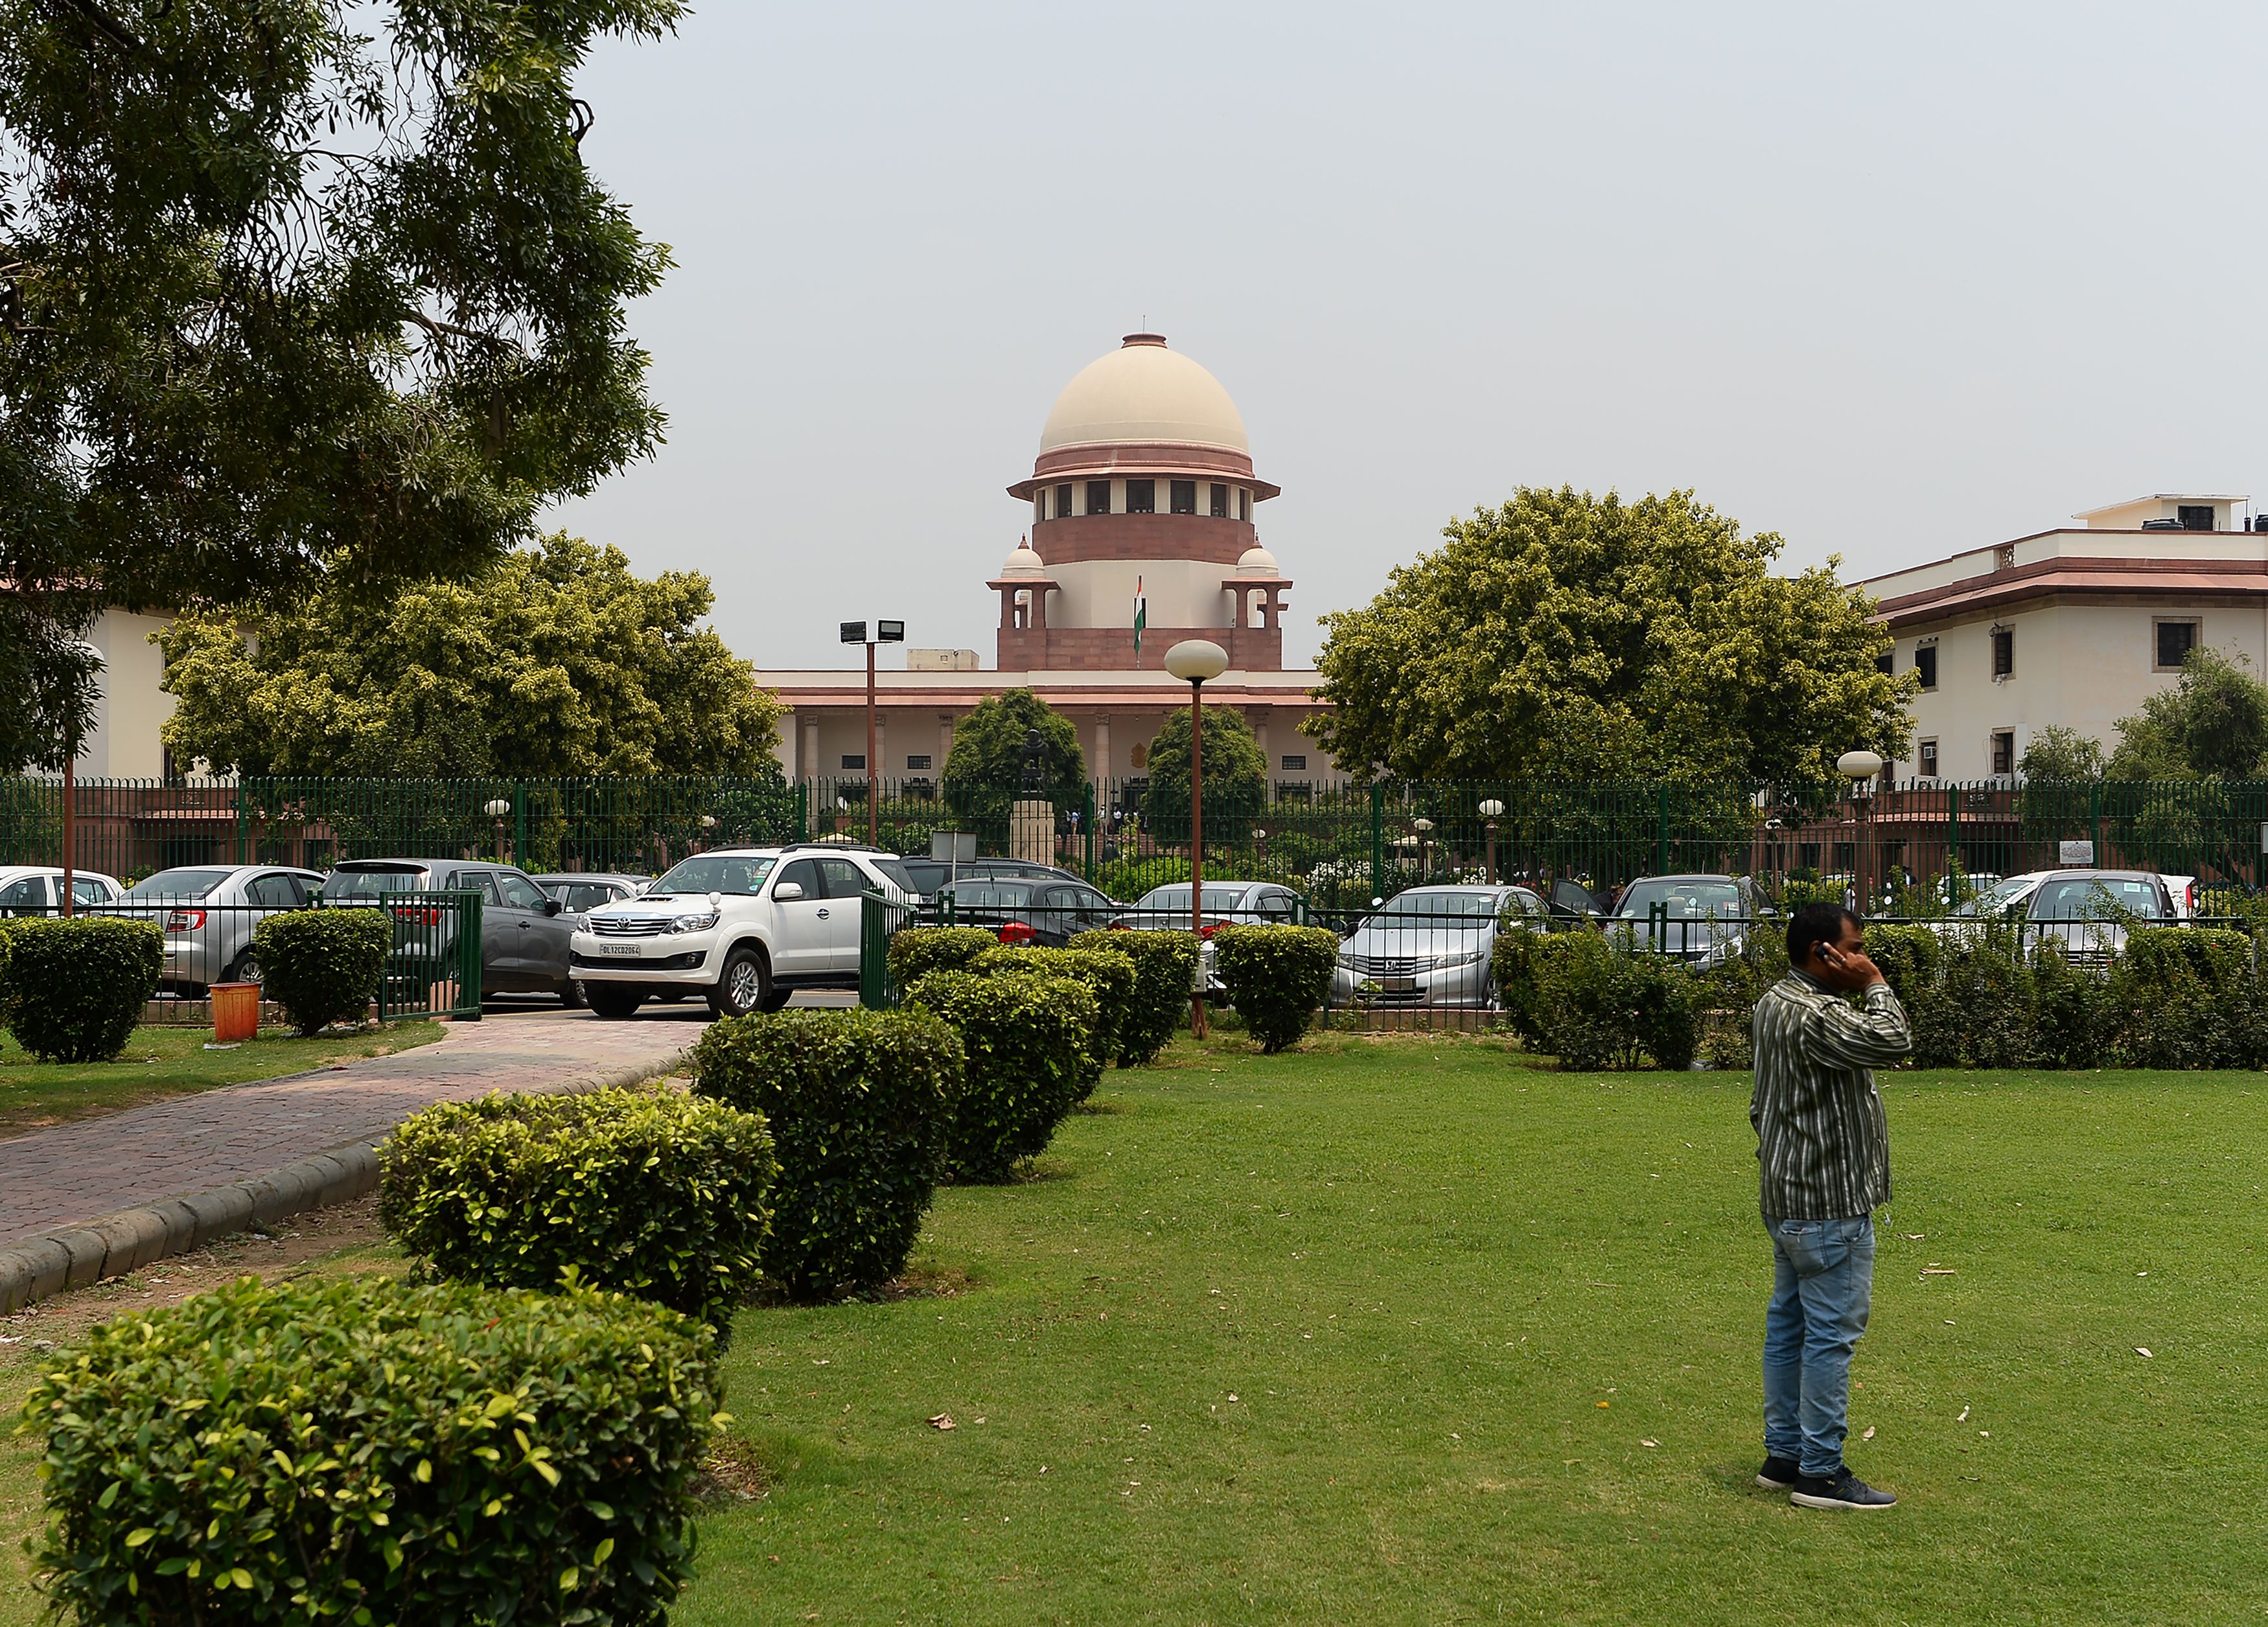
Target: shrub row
(1165, 976)
(71, 990)
(1025, 1038)
(370, 1450)
(322, 966)
(1109, 976)
(1978, 997)
(1278, 977)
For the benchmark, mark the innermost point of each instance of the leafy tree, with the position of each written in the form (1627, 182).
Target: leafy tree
(1573, 638)
(2057, 753)
(2212, 725)
(986, 765)
(1235, 778)
(290, 294)
(554, 660)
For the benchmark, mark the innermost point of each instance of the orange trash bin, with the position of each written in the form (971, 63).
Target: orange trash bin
(235, 1011)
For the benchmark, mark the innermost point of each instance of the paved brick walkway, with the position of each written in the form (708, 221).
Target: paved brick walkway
(74, 1173)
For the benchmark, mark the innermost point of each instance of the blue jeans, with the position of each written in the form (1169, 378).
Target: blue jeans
(1822, 1284)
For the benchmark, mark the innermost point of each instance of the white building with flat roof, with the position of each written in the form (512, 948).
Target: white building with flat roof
(2073, 627)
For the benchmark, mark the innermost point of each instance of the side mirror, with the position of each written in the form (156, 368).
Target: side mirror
(552, 906)
(787, 891)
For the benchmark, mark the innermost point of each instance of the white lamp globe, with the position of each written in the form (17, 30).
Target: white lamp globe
(1491, 808)
(1858, 765)
(497, 809)
(1193, 661)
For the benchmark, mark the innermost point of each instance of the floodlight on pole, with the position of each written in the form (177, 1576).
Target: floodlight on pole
(885, 632)
(1193, 661)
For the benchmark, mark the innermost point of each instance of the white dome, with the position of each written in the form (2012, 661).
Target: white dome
(1024, 562)
(1144, 393)
(1257, 562)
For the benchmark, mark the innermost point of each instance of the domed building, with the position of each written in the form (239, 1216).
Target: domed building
(1141, 533)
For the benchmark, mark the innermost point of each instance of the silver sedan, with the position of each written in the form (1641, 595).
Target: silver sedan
(1429, 946)
(208, 913)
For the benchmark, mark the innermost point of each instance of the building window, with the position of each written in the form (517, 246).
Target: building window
(1063, 502)
(1141, 497)
(1886, 664)
(2175, 640)
(2004, 652)
(921, 761)
(1098, 496)
(856, 760)
(2004, 751)
(1926, 663)
(1039, 508)
(1220, 501)
(1183, 496)
(1929, 760)
(1243, 503)
(2194, 516)
(1295, 763)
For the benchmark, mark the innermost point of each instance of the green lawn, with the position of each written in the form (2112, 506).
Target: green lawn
(171, 1062)
(1326, 1337)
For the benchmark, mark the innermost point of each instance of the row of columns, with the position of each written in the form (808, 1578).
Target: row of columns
(1101, 764)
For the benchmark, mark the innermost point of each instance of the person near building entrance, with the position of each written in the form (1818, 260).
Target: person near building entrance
(1822, 1142)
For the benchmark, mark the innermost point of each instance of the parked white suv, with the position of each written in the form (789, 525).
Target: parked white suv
(744, 926)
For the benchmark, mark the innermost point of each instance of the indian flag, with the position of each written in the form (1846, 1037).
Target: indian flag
(1141, 619)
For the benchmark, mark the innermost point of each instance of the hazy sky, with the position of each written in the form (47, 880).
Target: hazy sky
(1892, 285)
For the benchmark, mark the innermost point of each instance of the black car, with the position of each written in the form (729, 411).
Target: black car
(931, 874)
(1048, 910)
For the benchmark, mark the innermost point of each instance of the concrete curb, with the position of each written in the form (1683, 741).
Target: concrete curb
(73, 1256)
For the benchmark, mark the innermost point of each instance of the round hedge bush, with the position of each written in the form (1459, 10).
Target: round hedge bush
(860, 1108)
(916, 951)
(1278, 977)
(322, 966)
(1026, 1042)
(1108, 974)
(75, 986)
(1164, 977)
(653, 1194)
(368, 1450)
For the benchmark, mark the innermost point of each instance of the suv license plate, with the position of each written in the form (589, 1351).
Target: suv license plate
(628, 951)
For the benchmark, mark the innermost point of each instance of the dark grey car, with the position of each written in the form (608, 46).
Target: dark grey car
(525, 932)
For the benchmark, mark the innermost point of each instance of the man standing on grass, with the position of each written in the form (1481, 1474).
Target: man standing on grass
(1825, 1148)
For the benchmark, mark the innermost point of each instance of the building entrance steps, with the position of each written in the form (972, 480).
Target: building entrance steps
(104, 1197)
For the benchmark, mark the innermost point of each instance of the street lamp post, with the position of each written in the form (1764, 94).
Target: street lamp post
(496, 810)
(1489, 812)
(1193, 661)
(1425, 830)
(885, 632)
(1858, 767)
(93, 659)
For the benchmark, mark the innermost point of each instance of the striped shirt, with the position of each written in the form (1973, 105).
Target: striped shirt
(1822, 1137)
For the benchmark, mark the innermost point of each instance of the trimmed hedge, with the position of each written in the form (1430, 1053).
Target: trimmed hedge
(368, 1450)
(1595, 1005)
(860, 1107)
(916, 951)
(1108, 974)
(322, 966)
(661, 1196)
(75, 986)
(1278, 977)
(1026, 1040)
(1164, 977)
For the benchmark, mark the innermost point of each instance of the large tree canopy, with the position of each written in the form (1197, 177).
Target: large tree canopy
(2212, 725)
(1569, 637)
(986, 766)
(319, 291)
(1236, 777)
(554, 660)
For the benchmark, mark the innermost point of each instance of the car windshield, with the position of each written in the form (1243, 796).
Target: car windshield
(1685, 901)
(737, 874)
(2097, 898)
(370, 883)
(1481, 906)
(178, 884)
(1998, 897)
(1178, 898)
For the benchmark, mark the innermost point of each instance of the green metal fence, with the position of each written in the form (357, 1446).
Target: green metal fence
(1914, 846)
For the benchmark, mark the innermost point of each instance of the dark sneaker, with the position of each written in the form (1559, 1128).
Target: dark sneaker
(1777, 1474)
(1846, 1489)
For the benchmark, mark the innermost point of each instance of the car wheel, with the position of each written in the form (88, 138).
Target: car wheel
(244, 969)
(574, 994)
(743, 986)
(614, 1004)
